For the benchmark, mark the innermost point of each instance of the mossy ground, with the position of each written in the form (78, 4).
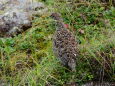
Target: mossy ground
(28, 59)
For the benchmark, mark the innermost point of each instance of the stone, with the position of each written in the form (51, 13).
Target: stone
(16, 15)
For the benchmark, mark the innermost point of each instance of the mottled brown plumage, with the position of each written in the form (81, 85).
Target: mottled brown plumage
(64, 44)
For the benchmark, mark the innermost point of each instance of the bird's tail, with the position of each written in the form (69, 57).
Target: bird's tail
(72, 65)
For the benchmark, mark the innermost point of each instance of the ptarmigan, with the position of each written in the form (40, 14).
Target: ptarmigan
(64, 43)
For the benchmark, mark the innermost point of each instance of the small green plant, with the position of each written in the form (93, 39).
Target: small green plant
(28, 59)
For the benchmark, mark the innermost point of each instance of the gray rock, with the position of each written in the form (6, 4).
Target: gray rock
(17, 15)
(99, 84)
(92, 84)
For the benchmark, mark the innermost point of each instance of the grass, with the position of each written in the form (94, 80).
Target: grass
(28, 59)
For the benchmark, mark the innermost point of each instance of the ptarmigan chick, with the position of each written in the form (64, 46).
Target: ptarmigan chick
(64, 43)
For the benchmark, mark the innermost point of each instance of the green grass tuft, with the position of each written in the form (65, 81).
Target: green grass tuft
(28, 59)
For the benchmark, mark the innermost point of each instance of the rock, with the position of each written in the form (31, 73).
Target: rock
(17, 15)
(99, 84)
(13, 21)
(92, 84)
(3, 83)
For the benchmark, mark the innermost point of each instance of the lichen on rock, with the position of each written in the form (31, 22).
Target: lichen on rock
(16, 15)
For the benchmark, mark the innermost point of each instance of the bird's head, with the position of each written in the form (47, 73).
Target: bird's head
(59, 20)
(57, 16)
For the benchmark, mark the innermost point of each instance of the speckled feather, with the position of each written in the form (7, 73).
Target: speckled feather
(65, 46)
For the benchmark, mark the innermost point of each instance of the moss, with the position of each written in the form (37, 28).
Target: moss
(28, 58)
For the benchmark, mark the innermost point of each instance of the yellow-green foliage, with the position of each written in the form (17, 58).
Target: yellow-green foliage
(27, 59)
(30, 52)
